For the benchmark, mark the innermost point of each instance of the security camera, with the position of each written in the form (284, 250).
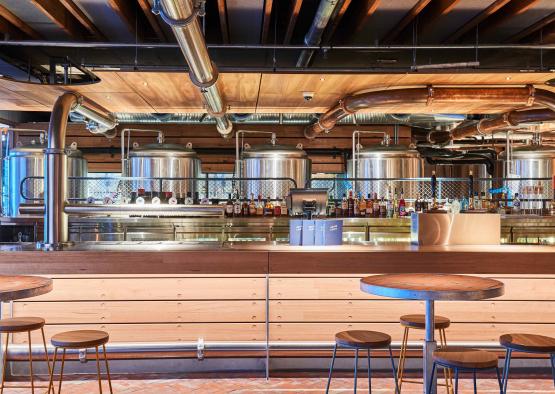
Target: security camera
(308, 96)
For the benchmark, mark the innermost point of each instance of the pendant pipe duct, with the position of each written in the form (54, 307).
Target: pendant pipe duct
(181, 16)
(517, 96)
(327, 10)
(55, 161)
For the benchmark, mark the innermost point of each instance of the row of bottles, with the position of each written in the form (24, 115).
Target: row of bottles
(240, 207)
(388, 206)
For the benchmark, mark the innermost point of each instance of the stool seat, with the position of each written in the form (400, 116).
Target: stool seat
(528, 343)
(363, 339)
(21, 324)
(419, 321)
(459, 357)
(80, 339)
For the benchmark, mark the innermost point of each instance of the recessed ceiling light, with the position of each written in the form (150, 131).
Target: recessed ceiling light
(322, 78)
(508, 78)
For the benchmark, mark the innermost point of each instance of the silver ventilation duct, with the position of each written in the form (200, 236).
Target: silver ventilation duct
(327, 10)
(181, 15)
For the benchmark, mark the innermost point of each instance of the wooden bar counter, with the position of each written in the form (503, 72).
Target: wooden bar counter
(171, 292)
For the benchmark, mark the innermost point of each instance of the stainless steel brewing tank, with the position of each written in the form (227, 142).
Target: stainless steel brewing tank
(273, 161)
(459, 189)
(165, 161)
(531, 161)
(386, 162)
(28, 161)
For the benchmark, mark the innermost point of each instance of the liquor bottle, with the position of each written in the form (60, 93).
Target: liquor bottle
(259, 206)
(330, 209)
(389, 204)
(188, 200)
(339, 209)
(229, 207)
(402, 205)
(395, 205)
(284, 210)
(434, 190)
(464, 204)
(383, 208)
(369, 207)
(268, 207)
(376, 206)
(417, 204)
(196, 199)
(485, 203)
(277, 208)
(245, 206)
(344, 206)
(141, 195)
(361, 206)
(516, 204)
(237, 207)
(356, 207)
(252, 206)
(168, 196)
(477, 202)
(350, 205)
(172, 200)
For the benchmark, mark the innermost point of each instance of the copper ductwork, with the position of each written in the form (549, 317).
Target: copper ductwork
(517, 97)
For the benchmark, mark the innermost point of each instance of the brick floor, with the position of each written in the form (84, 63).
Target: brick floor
(283, 385)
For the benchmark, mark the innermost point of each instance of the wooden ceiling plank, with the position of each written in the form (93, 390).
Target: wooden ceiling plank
(222, 13)
(18, 23)
(511, 10)
(153, 20)
(536, 27)
(472, 23)
(83, 19)
(268, 4)
(126, 11)
(337, 20)
(295, 10)
(58, 14)
(407, 19)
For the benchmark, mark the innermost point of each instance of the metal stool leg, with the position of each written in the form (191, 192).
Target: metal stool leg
(46, 357)
(369, 374)
(506, 369)
(62, 371)
(394, 372)
(51, 382)
(31, 363)
(499, 380)
(5, 364)
(432, 377)
(402, 357)
(331, 368)
(356, 368)
(552, 356)
(475, 383)
(107, 369)
(98, 370)
(456, 381)
(446, 371)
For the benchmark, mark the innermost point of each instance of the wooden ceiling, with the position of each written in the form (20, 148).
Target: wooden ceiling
(158, 92)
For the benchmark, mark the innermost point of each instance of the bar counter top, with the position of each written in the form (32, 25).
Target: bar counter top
(228, 258)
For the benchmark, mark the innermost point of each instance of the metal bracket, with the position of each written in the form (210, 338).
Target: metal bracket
(200, 349)
(83, 356)
(157, 9)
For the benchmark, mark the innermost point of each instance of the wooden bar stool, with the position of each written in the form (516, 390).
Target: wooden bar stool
(465, 359)
(80, 339)
(18, 325)
(418, 322)
(360, 339)
(527, 343)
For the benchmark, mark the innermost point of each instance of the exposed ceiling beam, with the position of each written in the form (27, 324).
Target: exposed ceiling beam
(153, 20)
(365, 13)
(514, 8)
(432, 13)
(126, 10)
(12, 19)
(535, 28)
(222, 12)
(267, 17)
(295, 10)
(407, 19)
(10, 31)
(58, 14)
(336, 21)
(471, 24)
(82, 18)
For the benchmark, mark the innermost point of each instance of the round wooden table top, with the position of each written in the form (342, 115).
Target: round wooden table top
(432, 287)
(18, 287)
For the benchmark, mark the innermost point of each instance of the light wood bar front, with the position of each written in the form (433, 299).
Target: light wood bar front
(219, 293)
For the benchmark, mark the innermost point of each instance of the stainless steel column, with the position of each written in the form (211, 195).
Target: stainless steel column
(429, 346)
